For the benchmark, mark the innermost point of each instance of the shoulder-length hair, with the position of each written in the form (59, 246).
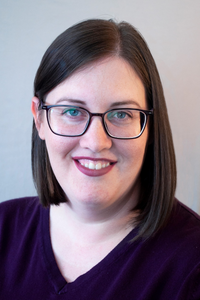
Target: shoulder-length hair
(85, 43)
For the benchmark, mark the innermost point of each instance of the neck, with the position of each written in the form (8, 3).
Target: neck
(91, 223)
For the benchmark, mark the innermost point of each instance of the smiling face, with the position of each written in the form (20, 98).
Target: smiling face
(95, 169)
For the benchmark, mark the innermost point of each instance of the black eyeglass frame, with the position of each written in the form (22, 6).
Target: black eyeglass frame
(145, 112)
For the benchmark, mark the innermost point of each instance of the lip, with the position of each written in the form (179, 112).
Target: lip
(91, 172)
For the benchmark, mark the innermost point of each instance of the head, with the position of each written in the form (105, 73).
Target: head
(85, 44)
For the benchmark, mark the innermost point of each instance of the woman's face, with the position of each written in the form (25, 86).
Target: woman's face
(109, 83)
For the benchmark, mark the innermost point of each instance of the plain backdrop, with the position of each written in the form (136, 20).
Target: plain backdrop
(172, 31)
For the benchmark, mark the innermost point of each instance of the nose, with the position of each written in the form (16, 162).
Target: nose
(95, 138)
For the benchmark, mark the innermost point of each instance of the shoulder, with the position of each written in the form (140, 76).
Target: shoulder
(187, 210)
(185, 218)
(14, 214)
(181, 236)
(20, 221)
(18, 202)
(19, 205)
(179, 240)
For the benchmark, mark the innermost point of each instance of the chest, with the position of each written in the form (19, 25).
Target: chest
(75, 260)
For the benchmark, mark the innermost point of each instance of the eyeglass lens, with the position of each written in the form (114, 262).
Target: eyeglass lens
(72, 121)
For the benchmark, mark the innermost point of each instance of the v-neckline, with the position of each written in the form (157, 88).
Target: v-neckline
(57, 280)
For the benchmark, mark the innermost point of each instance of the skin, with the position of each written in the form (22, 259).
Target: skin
(97, 214)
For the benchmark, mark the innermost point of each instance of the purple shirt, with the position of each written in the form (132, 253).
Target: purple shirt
(166, 267)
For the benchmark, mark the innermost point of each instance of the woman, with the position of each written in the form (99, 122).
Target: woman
(107, 225)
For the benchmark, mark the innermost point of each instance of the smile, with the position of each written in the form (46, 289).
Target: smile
(93, 167)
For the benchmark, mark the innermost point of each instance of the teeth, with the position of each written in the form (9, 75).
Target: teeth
(98, 166)
(91, 166)
(94, 165)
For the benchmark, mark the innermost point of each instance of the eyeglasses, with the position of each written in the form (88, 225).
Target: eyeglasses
(73, 121)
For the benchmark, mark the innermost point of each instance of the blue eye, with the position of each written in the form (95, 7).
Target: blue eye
(72, 112)
(120, 115)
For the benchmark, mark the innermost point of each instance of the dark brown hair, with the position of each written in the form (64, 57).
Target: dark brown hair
(88, 42)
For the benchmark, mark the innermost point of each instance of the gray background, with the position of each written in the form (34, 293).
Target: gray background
(170, 27)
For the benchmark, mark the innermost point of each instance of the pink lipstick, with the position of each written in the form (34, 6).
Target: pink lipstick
(93, 167)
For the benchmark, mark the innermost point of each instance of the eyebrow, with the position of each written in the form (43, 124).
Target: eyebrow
(114, 104)
(119, 103)
(72, 101)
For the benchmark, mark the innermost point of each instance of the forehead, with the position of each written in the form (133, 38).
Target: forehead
(110, 79)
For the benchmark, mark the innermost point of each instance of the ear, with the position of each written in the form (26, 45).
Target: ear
(38, 117)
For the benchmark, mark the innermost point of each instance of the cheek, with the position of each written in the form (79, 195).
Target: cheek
(134, 161)
(133, 151)
(59, 147)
